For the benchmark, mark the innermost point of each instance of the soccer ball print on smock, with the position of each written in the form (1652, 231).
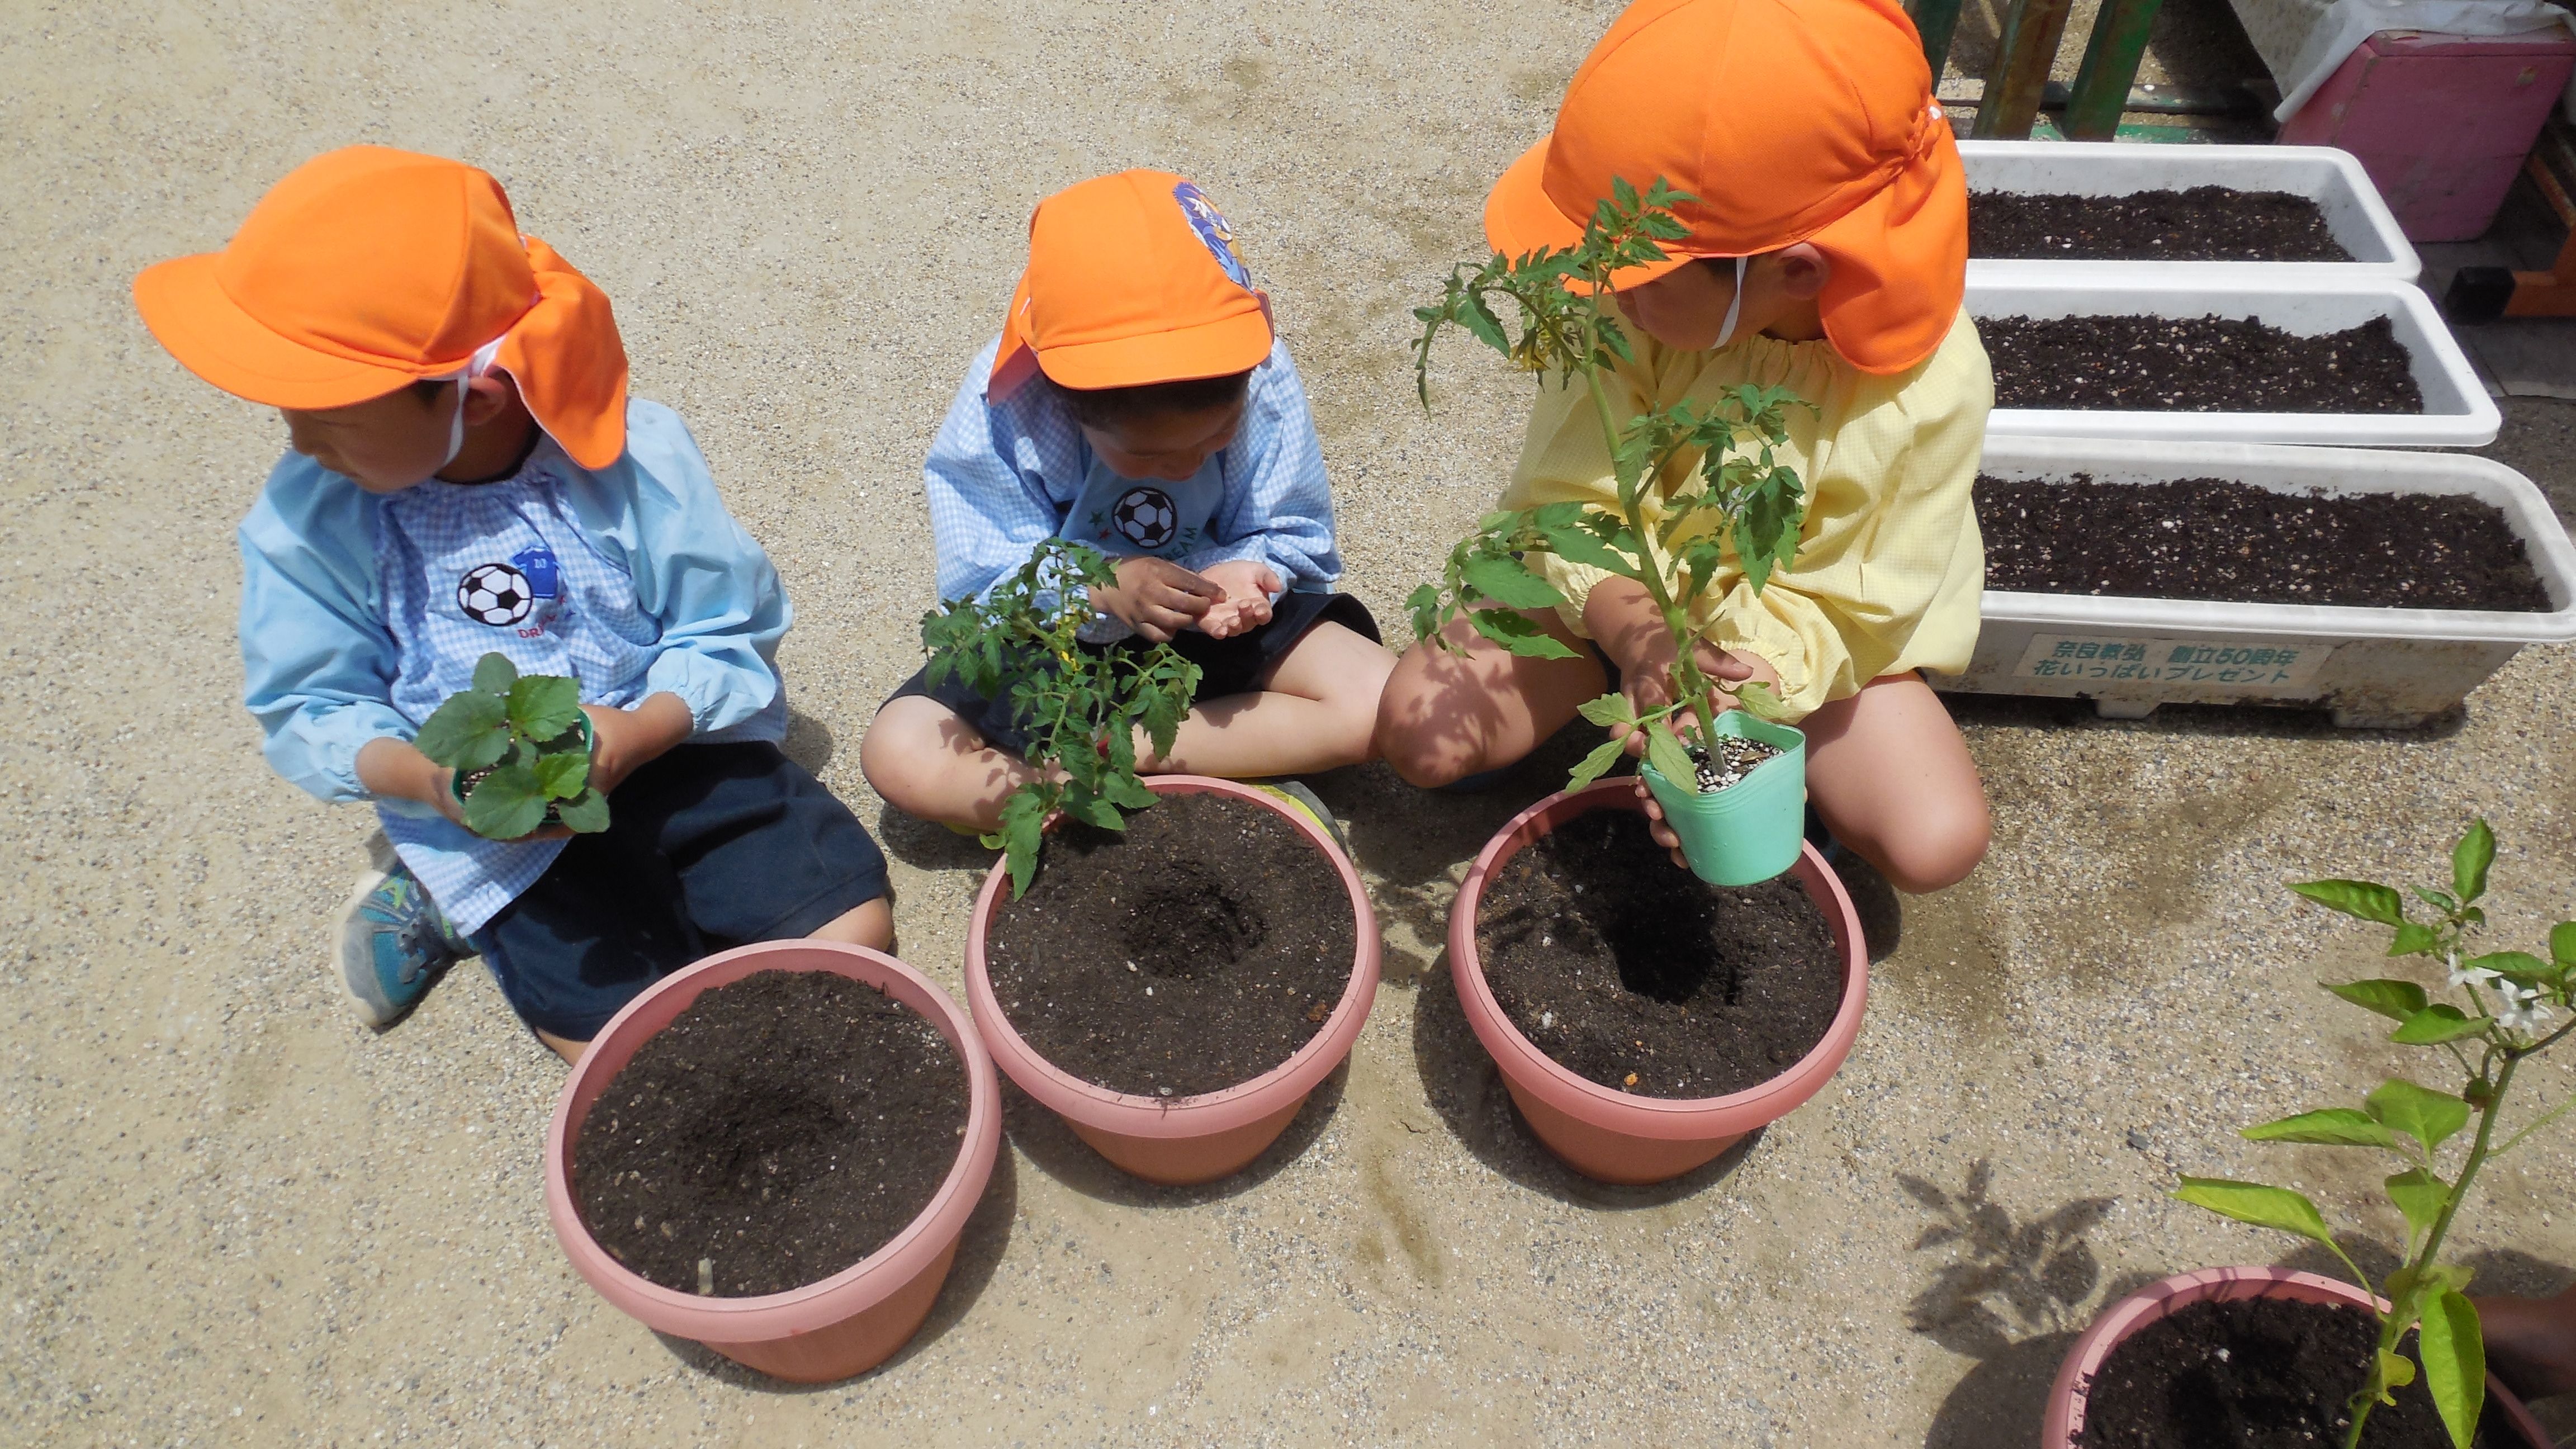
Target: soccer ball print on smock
(1145, 517)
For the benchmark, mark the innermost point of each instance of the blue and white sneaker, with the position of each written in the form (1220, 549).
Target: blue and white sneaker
(390, 944)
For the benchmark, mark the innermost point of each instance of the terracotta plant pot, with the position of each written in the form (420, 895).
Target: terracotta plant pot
(1615, 1136)
(2219, 1285)
(855, 1319)
(1180, 1140)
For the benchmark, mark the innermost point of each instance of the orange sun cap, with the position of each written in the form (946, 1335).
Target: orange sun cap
(1132, 279)
(368, 269)
(1790, 121)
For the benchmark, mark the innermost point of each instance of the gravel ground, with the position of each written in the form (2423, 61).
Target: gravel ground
(232, 1215)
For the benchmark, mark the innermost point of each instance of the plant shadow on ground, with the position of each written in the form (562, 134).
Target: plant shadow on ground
(2012, 1295)
(2207, 721)
(979, 1254)
(1465, 1087)
(1060, 1154)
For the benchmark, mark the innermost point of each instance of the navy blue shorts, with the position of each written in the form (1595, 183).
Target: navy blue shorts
(1226, 666)
(707, 847)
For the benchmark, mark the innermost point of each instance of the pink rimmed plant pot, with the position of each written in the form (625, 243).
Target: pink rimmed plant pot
(1616, 1136)
(1181, 1140)
(2167, 1296)
(845, 1324)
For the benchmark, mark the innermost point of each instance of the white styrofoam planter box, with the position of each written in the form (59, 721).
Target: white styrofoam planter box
(2331, 178)
(2457, 411)
(2370, 667)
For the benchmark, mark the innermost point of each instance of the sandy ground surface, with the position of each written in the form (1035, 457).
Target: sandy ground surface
(229, 1214)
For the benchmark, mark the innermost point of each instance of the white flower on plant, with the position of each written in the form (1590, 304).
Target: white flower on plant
(2519, 1008)
(2474, 976)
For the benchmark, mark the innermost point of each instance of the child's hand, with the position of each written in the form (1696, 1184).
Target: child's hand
(1157, 597)
(1248, 585)
(624, 740)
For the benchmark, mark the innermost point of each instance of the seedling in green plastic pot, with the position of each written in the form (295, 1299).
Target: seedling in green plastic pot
(520, 748)
(1676, 523)
(1081, 707)
(2508, 1002)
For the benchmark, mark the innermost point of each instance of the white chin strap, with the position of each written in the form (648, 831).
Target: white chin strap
(1734, 309)
(481, 363)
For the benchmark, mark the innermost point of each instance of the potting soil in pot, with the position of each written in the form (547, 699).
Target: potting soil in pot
(2254, 1373)
(2197, 365)
(779, 1130)
(1194, 951)
(2213, 538)
(1633, 973)
(2203, 224)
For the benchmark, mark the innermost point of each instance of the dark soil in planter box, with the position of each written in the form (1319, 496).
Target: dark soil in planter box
(2214, 538)
(2197, 365)
(1194, 951)
(2254, 1373)
(2203, 224)
(779, 1130)
(1633, 973)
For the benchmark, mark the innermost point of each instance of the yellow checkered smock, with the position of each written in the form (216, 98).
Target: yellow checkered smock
(1890, 564)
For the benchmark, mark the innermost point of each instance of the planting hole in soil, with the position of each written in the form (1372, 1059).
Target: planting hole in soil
(2252, 1373)
(1194, 951)
(2206, 364)
(2212, 538)
(776, 1132)
(1636, 975)
(2203, 224)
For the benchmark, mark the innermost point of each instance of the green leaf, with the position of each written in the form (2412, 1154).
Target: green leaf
(2333, 1127)
(1762, 702)
(2428, 1116)
(1610, 709)
(2469, 861)
(2455, 1363)
(2356, 898)
(1570, 540)
(1519, 633)
(1596, 764)
(2420, 1195)
(2522, 966)
(494, 673)
(469, 731)
(2396, 1000)
(543, 706)
(1664, 751)
(585, 813)
(1092, 810)
(2414, 938)
(562, 775)
(2264, 1207)
(1127, 793)
(1023, 829)
(2436, 1024)
(2438, 900)
(2562, 943)
(1508, 581)
(506, 805)
(2396, 1371)
(1423, 604)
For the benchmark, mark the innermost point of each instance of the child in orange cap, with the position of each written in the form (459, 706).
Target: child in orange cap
(467, 475)
(1138, 402)
(1827, 253)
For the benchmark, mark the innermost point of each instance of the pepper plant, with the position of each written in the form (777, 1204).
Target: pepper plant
(1670, 533)
(1081, 706)
(520, 753)
(2508, 1000)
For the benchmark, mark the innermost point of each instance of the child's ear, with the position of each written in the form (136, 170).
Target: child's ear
(489, 396)
(1803, 270)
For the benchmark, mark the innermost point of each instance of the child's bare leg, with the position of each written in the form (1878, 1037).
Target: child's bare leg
(927, 762)
(870, 925)
(1316, 709)
(1887, 770)
(1445, 716)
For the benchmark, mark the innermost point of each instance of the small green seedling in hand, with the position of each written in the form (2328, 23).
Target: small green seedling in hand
(1739, 498)
(2510, 997)
(517, 745)
(1082, 707)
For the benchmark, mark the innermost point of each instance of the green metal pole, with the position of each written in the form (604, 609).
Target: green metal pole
(2110, 63)
(2023, 55)
(1936, 21)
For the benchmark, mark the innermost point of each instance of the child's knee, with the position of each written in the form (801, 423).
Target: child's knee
(1418, 757)
(899, 754)
(1937, 848)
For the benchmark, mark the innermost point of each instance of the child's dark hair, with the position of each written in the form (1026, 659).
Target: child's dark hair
(1106, 407)
(428, 389)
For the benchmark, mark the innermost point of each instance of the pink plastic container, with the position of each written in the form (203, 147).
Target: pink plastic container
(2219, 1285)
(1614, 1136)
(855, 1319)
(2441, 122)
(1180, 1140)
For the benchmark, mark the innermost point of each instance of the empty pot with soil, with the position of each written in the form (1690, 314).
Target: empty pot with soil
(2228, 1356)
(1175, 990)
(774, 1152)
(1645, 1020)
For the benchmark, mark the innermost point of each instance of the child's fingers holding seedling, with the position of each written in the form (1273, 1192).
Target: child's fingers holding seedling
(1157, 597)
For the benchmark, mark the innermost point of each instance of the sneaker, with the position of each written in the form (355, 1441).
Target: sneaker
(390, 943)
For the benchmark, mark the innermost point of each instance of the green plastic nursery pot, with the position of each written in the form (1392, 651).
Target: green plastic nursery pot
(1751, 830)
